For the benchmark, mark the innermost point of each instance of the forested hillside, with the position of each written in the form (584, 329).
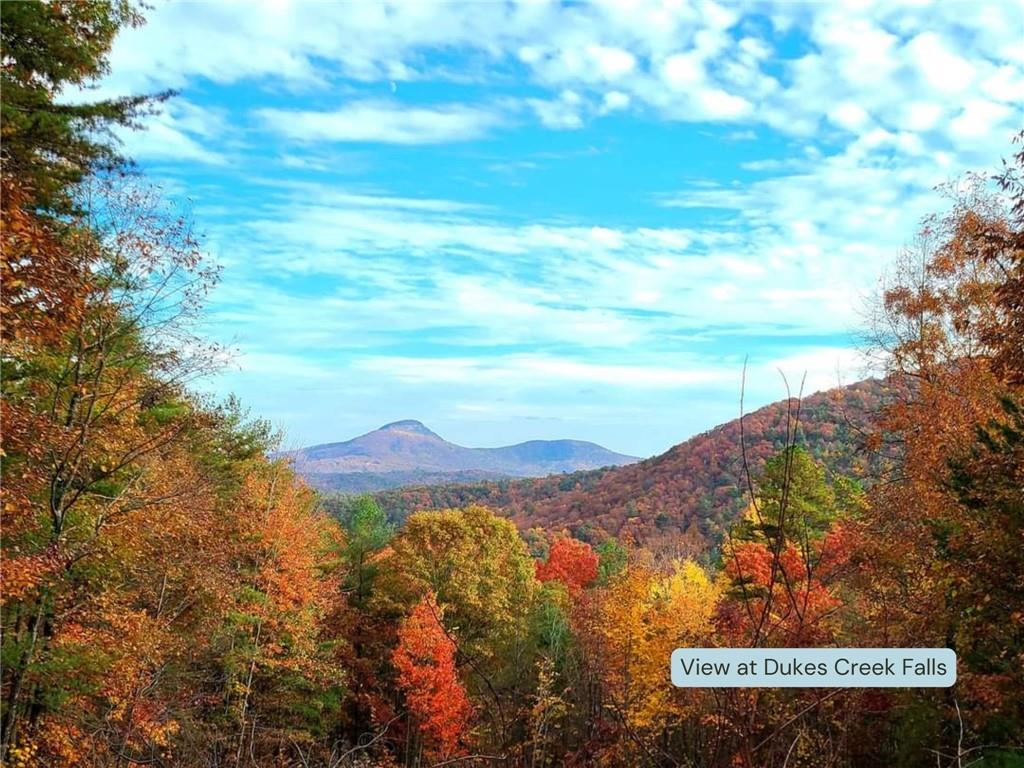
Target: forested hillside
(687, 497)
(165, 586)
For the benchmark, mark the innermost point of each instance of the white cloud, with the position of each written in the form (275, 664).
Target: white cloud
(384, 122)
(717, 104)
(615, 100)
(682, 71)
(723, 291)
(920, 115)
(756, 48)
(563, 113)
(453, 274)
(881, 101)
(611, 62)
(681, 62)
(942, 69)
(180, 131)
(536, 371)
(1005, 84)
(978, 117)
(850, 116)
(865, 53)
(818, 368)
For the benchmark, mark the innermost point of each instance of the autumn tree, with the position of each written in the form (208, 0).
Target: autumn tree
(787, 568)
(280, 669)
(786, 556)
(477, 566)
(97, 400)
(644, 615)
(947, 324)
(474, 562)
(571, 562)
(126, 562)
(149, 608)
(1000, 241)
(427, 675)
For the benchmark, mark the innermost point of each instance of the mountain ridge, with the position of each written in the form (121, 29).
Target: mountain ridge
(407, 451)
(686, 497)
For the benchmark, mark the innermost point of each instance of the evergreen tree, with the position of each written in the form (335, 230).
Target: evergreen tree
(50, 49)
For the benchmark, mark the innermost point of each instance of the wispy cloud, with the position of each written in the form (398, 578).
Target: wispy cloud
(382, 122)
(536, 371)
(411, 210)
(181, 131)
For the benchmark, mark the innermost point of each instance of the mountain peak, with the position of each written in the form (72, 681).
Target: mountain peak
(408, 425)
(406, 451)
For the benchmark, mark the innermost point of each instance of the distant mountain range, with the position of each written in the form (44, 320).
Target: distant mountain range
(406, 452)
(685, 498)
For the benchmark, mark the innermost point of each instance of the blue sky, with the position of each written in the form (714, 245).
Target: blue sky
(545, 220)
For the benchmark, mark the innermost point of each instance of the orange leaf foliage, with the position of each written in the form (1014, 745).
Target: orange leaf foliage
(803, 588)
(572, 562)
(425, 660)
